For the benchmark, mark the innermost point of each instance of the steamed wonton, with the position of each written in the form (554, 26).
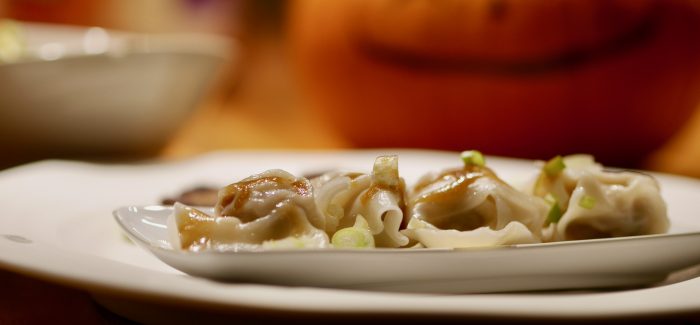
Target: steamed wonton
(572, 198)
(378, 197)
(273, 209)
(589, 202)
(471, 206)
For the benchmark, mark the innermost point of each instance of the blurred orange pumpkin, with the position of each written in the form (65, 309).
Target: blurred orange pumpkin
(532, 79)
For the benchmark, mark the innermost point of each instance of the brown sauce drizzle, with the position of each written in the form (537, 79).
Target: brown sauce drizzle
(353, 175)
(302, 187)
(233, 197)
(463, 177)
(193, 229)
(459, 181)
(399, 190)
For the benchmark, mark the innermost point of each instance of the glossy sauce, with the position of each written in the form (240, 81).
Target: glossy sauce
(397, 190)
(200, 231)
(457, 183)
(460, 179)
(233, 197)
(194, 229)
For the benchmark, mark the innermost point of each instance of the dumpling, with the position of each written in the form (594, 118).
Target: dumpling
(336, 193)
(258, 195)
(588, 201)
(273, 209)
(378, 197)
(470, 206)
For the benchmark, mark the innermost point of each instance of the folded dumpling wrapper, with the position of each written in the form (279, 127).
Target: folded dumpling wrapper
(471, 206)
(621, 204)
(378, 197)
(273, 209)
(600, 203)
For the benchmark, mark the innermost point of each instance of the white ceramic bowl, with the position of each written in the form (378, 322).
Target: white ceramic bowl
(86, 90)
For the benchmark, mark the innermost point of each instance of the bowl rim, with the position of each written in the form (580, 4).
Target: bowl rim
(127, 43)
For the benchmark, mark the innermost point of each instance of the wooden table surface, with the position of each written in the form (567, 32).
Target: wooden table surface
(261, 110)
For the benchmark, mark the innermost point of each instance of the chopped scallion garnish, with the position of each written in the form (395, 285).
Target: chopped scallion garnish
(386, 171)
(352, 237)
(550, 198)
(554, 213)
(554, 166)
(473, 157)
(587, 202)
(357, 236)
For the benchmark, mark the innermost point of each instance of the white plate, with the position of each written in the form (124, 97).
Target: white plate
(615, 262)
(56, 224)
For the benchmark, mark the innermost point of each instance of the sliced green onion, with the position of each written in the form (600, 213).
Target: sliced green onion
(554, 166)
(352, 237)
(357, 236)
(554, 213)
(550, 198)
(473, 157)
(579, 160)
(386, 171)
(587, 202)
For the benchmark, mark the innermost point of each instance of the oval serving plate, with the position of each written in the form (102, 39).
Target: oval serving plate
(57, 225)
(598, 263)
